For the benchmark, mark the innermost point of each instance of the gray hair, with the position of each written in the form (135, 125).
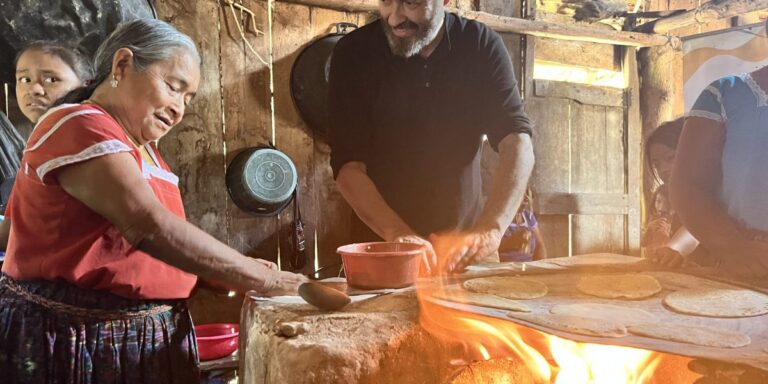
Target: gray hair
(150, 40)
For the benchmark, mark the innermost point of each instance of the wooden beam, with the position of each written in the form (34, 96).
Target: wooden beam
(521, 26)
(340, 5)
(568, 32)
(712, 11)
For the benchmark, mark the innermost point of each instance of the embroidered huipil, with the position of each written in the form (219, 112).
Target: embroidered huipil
(56, 237)
(741, 105)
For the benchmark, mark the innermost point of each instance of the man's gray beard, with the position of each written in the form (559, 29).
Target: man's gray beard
(411, 46)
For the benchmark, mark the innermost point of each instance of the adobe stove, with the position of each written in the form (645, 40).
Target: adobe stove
(441, 332)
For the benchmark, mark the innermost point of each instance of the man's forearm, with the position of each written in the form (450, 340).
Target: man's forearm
(365, 199)
(509, 182)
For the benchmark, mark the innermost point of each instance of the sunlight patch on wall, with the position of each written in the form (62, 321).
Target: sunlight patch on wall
(547, 70)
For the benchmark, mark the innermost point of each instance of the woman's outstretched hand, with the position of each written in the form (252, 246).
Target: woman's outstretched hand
(280, 283)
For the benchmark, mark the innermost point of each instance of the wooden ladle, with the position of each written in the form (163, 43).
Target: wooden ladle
(323, 297)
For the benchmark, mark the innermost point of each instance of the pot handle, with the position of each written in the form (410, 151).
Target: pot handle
(341, 28)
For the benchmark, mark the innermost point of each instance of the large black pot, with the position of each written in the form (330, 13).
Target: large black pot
(309, 79)
(261, 180)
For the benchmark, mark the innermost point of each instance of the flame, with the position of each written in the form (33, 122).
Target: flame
(595, 363)
(550, 359)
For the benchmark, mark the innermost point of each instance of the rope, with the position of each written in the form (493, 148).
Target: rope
(86, 313)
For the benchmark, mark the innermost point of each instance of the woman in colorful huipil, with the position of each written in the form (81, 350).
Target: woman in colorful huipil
(100, 258)
(720, 185)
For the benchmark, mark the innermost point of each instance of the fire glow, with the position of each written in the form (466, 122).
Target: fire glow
(548, 358)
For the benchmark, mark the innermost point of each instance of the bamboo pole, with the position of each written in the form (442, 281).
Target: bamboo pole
(517, 25)
(712, 11)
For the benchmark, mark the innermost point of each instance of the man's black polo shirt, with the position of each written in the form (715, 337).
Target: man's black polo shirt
(418, 124)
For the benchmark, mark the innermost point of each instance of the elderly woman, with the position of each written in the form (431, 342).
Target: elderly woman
(45, 72)
(719, 182)
(100, 259)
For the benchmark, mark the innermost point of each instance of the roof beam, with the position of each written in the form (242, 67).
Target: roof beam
(712, 11)
(521, 26)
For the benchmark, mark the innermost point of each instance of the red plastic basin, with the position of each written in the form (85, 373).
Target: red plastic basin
(381, 265)
(215, 341)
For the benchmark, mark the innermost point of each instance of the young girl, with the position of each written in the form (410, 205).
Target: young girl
(522, 240)
(45, 72)
(667, 242)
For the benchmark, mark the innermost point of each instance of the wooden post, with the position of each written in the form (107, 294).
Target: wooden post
(634, 151)
(517, 25)
(195, 148)
(660, 96)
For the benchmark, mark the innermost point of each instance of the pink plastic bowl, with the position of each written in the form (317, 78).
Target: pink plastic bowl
(215, 341)
(381, 265)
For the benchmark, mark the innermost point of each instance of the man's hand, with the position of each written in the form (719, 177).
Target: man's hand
(429, 262)
(456, 250)
(667, 257)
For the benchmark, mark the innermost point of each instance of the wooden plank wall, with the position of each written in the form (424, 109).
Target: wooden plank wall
(581, 167)
(580, 146)
(231, 113)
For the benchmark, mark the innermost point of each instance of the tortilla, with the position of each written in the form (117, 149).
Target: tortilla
(614, 313)
(578, 325)
(508, 287)
(626, 286)
(692, 334)
(718, 302)
(482, 300)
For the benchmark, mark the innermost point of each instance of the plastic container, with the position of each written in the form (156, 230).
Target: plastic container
(215, 341)
(381, 265)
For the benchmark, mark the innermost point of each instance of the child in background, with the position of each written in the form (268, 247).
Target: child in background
(666, 241)
(45, 72)
(522, 240)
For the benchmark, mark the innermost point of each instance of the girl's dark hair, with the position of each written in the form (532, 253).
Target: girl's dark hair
(76, 60)
(667, 134)
(150, 40)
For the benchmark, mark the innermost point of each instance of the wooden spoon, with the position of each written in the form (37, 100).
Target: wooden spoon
(323, 297)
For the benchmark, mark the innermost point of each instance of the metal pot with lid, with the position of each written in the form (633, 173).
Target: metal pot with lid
(261, 180)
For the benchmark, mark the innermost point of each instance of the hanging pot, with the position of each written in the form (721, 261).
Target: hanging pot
(309, 79)
(261, 180)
